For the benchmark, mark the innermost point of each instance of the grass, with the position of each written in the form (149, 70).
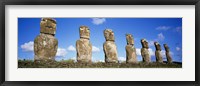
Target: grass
(72, 64)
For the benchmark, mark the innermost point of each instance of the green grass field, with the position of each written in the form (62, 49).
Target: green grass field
(72, 64)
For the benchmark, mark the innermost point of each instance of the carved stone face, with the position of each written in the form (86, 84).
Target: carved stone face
(109, 35)
(48, 26)
(166, 47)
(84, 32)
(157, 45)
(144, 43)
(129, 39)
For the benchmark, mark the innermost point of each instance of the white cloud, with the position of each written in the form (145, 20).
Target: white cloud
(121, 59)
(164, 28)
(61, 52)
(95, 61)
(98, 21)
(161, 37)
(151, 43)
(151, 52)
(171, 53)
(95, 49)
(178, 48)
(71, 48)
(178, 29)
(138, 51)
(74, 58)
(163, 53)
(28, 46)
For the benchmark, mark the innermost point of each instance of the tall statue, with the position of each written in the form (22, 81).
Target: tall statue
(83, 46)
(145, 52)
(45, 44)
(169, 58)
(158, 52)
(131, 56)
(110, 48)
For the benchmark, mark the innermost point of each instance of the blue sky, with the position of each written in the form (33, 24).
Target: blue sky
(163, 30)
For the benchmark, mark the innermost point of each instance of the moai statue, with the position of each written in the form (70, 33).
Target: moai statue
(158, 53)
(83, 46)
(131, 56)
(110, 49)
(45, 44)
(169, 58)
(145, 52)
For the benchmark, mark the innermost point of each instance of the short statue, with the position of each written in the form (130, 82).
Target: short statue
(158, 53)
(45, 44)
(109, 47)
(83, 46)
(145, 52)
(169, 58)
(131, 56)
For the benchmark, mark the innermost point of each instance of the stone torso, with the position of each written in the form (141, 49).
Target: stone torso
(145, 55)
(84, 50)
(110, 50)
(158, 56)
(131, 54)
(45, 47)
(169, 58)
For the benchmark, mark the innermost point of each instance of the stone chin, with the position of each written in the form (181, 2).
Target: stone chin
(85, 37)
(110, 38)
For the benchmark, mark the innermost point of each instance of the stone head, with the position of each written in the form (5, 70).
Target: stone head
(84, 32)
(48, 26)
(144, 43)
(157, 45)
(166, 47)
(109, 35)
(129, 39)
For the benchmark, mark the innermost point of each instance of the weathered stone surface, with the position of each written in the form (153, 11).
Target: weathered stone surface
(83, 46)
(131, 56)
(109, 35)
(48, 26)
(110, 48)
(45, 44)
(84, 32)
(45, 47)
(158, 52)
(144, 51)
(169, 58)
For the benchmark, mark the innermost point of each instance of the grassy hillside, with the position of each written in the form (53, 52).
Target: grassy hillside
(72, 64)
